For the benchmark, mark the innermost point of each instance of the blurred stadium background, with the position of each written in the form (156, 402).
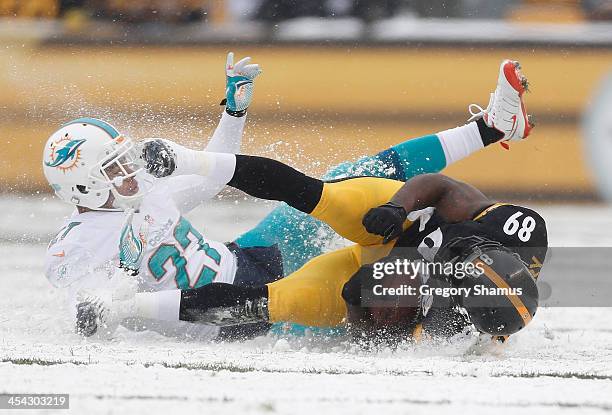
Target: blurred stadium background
(342, 78)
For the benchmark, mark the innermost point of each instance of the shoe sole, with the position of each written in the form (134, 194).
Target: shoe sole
(512, 73)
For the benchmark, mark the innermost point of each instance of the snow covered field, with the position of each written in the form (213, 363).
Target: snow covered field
(561, 363)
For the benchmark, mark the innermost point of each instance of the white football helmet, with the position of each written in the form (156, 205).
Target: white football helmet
(87, 160)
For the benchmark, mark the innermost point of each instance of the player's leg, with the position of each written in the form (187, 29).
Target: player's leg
(505, 119)
(400, 162)
(342, 204)
(301, 237)
(311, 296)
(298, 235)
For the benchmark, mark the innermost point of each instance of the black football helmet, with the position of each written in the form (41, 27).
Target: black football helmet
(503, 297)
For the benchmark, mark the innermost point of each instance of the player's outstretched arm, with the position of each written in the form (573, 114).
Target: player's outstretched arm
(240, 82)
(455, 201)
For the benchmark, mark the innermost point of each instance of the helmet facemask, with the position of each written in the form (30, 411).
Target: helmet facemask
(120, 172)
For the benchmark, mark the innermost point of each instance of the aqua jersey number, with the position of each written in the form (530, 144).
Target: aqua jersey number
(168, 252)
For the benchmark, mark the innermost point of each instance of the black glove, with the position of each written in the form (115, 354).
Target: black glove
(386, 220)
(160, 159)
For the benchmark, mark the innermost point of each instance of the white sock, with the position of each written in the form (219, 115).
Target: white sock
(460, 142)
(160, 305)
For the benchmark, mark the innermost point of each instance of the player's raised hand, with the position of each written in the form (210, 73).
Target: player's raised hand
(239, 84)
(386, 220)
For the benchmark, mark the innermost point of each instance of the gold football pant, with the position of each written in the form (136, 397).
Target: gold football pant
(312, 295)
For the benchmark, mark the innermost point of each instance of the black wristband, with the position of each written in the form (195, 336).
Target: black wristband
(236, 114)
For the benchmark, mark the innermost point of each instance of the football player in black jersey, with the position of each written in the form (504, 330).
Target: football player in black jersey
(508, 242)
(441, 219)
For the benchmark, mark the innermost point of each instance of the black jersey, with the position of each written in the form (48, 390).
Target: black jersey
(517, 228)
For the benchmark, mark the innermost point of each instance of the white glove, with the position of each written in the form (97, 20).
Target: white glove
(239, 84)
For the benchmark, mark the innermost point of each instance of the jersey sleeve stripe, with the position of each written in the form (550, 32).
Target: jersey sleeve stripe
(489, 209)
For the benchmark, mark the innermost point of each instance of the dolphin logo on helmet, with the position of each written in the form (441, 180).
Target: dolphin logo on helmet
(67, 152)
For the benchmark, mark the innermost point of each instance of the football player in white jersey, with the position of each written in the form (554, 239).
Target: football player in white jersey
(129, 222)
(91, 165)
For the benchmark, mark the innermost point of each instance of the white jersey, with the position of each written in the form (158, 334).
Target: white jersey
(175, 254)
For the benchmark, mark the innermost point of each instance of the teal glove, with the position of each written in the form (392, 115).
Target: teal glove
(239, 84)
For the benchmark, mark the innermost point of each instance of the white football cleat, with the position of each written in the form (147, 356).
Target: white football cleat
(506, 110)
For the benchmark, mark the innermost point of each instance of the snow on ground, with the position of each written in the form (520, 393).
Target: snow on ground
(561, 363)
